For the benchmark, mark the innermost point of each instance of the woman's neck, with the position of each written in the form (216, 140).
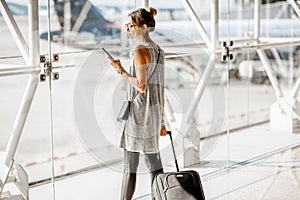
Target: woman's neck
(145, 38)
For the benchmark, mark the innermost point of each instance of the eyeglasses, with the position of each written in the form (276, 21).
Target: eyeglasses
(130, 26)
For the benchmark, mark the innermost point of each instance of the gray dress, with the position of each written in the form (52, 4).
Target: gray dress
(141, 131)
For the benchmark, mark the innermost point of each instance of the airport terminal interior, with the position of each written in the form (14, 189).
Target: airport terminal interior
(232, 81)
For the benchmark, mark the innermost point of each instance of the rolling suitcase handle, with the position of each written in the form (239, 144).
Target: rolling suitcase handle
(176, 163)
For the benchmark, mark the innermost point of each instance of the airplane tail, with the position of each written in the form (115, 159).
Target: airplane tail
(84, 18)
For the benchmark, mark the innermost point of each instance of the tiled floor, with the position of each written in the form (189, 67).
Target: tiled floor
(264, 167)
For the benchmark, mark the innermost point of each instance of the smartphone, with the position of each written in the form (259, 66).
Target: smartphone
(108, 54)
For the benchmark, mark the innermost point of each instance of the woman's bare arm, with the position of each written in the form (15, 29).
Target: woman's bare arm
(142, 59)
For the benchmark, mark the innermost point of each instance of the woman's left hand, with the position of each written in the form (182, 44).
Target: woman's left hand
(163, 130)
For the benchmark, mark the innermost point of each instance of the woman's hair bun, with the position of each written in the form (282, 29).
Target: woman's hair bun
(152, 11)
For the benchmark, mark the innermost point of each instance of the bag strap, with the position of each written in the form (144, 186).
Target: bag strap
(155, 65)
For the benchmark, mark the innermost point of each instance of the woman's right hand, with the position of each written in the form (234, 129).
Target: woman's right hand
(116, 65)
(163, 131)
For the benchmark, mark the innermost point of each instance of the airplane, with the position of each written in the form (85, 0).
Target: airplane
(100, 28)
(18, 9)
(95, 28)
(93, 21)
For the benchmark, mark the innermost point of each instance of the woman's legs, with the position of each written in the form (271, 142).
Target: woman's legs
(131, 161)
(154, 164)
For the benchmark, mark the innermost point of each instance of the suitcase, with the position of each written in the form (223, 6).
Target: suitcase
(180, 185)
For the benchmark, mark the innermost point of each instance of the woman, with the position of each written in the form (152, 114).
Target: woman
(146, 80)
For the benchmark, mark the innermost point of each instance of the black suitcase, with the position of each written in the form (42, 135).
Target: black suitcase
(180, 185)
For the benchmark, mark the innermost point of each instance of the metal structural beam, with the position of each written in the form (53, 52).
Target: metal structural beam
(32, 59)
(33, 33)
(86, 8)
(262, 54)
(67, 20)
(31, 84)
(264, 59)
(278, 59)
(145, 3)
(256, 46)
(296, 88)
(213, 46)
(197, 21)
(257, 11)
(15, 31)
(191, 134)
(295, 6)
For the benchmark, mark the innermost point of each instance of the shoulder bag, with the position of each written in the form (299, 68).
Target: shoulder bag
(125, 108)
